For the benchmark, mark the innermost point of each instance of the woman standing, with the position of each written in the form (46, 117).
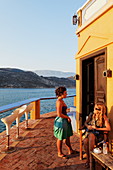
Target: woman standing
(62, 124)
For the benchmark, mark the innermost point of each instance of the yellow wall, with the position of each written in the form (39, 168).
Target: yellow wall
(110, 88)
(77, 94)
(96, 36)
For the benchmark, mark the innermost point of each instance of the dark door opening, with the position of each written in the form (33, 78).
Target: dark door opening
(93, 83)
(87, 87)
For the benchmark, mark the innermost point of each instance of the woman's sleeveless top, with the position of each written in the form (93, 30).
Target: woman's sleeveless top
(64, 108)
(96, 122)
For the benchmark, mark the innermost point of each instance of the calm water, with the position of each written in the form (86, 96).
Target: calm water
(8, 96)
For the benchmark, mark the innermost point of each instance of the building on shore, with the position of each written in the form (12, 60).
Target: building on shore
(94, 59)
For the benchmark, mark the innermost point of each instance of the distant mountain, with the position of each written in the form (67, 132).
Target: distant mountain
(16, 78)
(53, 73)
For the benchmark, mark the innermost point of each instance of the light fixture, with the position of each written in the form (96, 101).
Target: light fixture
(75, 19)
(107, 73)
(76, 77)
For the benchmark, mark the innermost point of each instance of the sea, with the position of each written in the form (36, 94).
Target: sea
(10, 95)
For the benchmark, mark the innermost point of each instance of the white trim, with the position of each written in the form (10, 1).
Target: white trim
(92, 8)
(96, 15)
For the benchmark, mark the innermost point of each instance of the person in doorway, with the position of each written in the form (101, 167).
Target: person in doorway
(62, 123)
(96, 124)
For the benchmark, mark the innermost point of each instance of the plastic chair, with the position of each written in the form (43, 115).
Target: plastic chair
(8, 121)
(27, 111)
(21, 111)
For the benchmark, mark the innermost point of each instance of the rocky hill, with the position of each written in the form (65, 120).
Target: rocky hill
(16, 78)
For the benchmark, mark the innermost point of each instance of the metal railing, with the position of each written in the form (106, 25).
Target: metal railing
(35, 114)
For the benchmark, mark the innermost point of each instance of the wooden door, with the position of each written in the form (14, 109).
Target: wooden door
(100, 80)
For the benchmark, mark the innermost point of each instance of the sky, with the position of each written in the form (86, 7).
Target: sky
(38, 34)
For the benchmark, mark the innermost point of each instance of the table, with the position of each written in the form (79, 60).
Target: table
(105, 161)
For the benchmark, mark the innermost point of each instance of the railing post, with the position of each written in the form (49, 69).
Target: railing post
(35, 113)
(74, 100)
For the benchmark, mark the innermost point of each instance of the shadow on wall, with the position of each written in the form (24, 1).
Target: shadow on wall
(111, 123)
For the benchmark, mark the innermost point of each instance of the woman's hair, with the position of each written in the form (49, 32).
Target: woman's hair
(100, 111)
(60, 90)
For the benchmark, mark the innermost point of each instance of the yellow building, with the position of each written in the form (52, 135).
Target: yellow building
(94, 58)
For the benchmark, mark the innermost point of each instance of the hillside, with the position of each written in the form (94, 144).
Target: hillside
(16, 78)
(54, 73)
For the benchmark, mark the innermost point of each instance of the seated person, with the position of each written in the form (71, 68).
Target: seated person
(96, 124)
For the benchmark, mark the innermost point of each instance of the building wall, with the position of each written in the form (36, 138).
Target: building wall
(78, 94)
(110, 87)
(97, 35)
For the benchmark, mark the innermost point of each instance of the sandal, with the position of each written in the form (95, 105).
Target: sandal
(63, 156)
(73, 152)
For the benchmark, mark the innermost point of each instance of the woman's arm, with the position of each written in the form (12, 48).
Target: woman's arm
(87, 121)
(59, 111)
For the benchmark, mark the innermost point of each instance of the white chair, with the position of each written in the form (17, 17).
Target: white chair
(27, 111)
(8, 121)
(21, 111)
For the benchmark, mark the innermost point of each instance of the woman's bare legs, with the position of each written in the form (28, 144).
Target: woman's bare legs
(68, 144)
(59, 147)
(91, 142)
(86, 148)
(89, 145)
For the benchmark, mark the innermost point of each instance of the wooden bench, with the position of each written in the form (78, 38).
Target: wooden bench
(106, 161)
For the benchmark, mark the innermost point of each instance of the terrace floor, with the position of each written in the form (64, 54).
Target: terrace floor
(38, 149)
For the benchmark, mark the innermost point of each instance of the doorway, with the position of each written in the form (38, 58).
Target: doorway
(93, 82)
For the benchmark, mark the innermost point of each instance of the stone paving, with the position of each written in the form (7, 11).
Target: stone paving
(38, 149)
